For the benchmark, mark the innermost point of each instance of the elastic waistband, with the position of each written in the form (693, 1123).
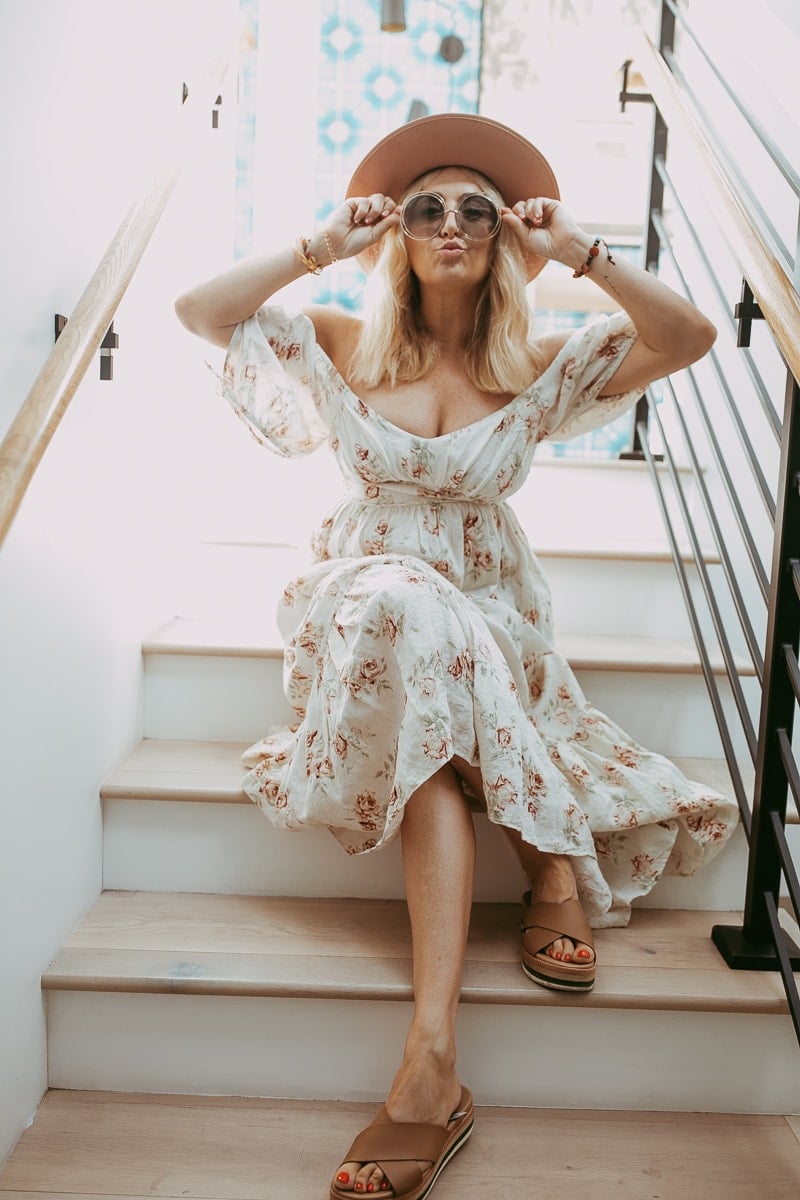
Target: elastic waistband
(399, 494)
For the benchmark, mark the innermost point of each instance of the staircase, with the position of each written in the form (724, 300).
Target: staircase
(272, 971)
(226, 958)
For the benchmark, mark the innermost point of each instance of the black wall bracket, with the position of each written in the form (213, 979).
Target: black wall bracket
(745, 312)
(109, 343)
(627, 97)
(214, 108)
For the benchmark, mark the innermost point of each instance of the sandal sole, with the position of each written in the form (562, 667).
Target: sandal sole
(558, 985)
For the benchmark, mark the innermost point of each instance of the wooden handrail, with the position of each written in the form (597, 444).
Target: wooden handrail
(54, 387)
(776, 294)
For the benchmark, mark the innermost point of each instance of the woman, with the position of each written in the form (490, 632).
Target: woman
(419, 654)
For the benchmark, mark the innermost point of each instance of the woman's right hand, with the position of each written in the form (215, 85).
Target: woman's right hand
(357, 224)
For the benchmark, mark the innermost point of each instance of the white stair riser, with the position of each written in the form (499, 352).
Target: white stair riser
(213, 698)
(590, 595)
(348, 1050)
(562, 502)
(233, 849)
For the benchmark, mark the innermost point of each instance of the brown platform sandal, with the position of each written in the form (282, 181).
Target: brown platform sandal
(542, 924)
(398, 1147)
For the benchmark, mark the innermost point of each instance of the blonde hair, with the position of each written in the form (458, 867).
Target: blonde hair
(396, 345)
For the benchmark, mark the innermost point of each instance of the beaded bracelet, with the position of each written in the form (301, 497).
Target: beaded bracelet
(308, 260)
(329, 247)
(594, 250)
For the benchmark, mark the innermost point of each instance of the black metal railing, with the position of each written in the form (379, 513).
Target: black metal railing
(707, 412)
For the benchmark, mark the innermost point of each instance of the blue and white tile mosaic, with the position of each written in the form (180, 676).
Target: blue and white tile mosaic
(367, 82)
(246, 133)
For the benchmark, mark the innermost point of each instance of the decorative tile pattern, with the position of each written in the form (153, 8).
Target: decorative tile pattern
(367, 81)
(246, 134)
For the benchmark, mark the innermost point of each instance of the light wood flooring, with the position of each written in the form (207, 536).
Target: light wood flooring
(93, 1145)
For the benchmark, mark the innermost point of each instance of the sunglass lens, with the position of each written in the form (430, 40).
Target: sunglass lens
(478, 217)
(423, 215)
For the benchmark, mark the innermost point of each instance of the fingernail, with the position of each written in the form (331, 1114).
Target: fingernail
(343, 1177)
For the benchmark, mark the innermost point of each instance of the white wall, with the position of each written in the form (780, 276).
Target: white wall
(86, 571)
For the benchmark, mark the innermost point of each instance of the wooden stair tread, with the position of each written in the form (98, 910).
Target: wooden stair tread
(235, 638)
(193, 943)
(211, 771)
(132, 1145)
(290, 557)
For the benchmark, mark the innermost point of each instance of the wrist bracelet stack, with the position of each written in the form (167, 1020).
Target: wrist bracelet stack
(301, 249)
(594, 250)
(311, 264)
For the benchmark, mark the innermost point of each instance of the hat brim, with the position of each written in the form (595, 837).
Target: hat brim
(514, 165)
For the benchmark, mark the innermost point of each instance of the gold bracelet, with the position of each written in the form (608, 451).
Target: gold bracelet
(330, 248)
(308, 260)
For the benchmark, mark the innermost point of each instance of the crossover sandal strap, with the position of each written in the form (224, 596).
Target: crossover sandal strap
(396, 1147)
(543, 923)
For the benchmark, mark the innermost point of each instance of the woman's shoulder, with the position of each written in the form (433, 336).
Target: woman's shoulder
(336, 331)
(545, 349)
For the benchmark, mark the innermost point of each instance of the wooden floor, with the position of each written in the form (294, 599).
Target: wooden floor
(130, 1146)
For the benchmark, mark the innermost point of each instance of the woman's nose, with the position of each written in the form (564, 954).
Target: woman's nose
(449, 223)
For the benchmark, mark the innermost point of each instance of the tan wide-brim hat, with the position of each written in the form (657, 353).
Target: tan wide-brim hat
(514, 165)
(517, 169)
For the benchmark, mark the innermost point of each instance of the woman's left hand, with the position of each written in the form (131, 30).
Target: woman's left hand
(544, 227)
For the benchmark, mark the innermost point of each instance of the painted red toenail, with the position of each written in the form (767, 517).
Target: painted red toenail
(583, 954)
(370, 1188)
(558, 956)
(343, 1177)
(567, 958)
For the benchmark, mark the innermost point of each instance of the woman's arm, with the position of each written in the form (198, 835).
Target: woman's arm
(672, 332)
(212, 310)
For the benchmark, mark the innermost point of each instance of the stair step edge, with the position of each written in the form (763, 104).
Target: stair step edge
(182, 943)
(211, 772)
(597, 652)
(338, 978)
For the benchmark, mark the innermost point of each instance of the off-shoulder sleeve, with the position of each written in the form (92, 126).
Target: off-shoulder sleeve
(273, 379)
(579, 371)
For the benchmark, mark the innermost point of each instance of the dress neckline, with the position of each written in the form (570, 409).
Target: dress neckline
(498, 413)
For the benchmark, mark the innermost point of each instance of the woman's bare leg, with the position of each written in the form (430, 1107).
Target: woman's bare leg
(551, 876)
(438, 841)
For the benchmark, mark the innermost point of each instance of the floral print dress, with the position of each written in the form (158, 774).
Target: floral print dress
(422, 630)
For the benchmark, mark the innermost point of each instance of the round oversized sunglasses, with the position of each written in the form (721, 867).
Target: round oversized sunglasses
(423, 215)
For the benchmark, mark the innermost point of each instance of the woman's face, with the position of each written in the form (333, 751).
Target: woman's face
(450, 257)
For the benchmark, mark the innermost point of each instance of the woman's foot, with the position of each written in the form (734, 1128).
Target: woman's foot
(554, 882)
(425, 1090)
